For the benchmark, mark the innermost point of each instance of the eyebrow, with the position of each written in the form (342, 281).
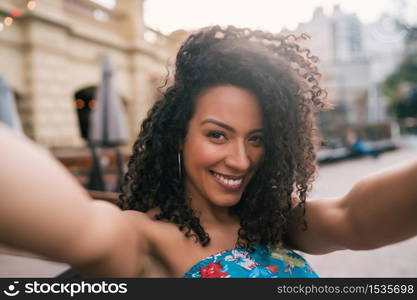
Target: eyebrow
(225, 126)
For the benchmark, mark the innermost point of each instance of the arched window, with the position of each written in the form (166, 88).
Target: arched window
(85, 103)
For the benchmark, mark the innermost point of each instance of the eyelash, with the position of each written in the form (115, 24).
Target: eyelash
(212, 134)
(215, 135)
(260, 139)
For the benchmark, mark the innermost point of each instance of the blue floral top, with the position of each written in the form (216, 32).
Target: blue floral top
(261, 263)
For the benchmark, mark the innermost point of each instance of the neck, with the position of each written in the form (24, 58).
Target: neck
(211, 214)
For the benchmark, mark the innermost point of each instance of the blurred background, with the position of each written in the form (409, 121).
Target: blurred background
(78, 77)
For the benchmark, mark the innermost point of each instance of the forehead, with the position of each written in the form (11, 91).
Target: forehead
(229, 104)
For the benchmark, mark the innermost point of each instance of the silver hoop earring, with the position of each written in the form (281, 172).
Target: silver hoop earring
(179, 165)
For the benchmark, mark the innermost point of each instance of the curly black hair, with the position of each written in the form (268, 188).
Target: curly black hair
(285, 79)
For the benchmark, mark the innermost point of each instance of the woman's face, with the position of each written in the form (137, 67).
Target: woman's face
(223, 146)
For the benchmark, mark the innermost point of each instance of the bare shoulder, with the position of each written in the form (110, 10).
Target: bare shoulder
(137, 217)
(141, 222)
(152, 232)
(115, 243)
(146, 225)
(141, 218)
(158, 233)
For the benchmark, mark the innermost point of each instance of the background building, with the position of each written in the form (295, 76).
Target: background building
(50, 57)
(355, 59)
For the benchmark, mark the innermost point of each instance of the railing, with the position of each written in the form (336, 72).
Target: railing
(79, 162)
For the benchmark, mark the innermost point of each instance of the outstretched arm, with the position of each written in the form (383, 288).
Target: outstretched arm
(379, 210)
(44, 210)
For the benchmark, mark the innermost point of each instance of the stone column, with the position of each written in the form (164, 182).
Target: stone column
(132, 27)
(131, 24)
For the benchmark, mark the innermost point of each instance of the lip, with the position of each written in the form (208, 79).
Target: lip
(228, 187)
(228, 176)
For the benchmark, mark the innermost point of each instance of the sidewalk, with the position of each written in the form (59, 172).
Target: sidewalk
(16, 264)
(326, 155)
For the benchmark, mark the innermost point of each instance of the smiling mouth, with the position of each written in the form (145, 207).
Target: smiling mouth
(228, 182)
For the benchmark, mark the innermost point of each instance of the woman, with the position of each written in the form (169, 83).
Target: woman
(218, 179)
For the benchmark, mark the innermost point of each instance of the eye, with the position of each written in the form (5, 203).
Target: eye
(217, 136)
(257, 140)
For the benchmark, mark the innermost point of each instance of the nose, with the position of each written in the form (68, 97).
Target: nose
(237, 158)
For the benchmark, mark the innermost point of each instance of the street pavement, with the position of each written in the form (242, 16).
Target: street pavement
(18, 266)
(397, 260)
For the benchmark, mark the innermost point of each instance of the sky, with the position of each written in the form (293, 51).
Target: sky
(272, 15)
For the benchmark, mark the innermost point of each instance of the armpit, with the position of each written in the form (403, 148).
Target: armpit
(154, 268)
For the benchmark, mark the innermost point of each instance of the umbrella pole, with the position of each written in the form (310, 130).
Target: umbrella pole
(96, 181)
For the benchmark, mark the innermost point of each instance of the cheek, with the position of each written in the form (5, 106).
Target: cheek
(257, 156)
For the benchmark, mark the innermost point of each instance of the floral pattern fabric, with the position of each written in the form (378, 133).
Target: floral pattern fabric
(263, 262)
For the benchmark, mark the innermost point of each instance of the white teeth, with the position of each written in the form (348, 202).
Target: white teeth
(226, 181)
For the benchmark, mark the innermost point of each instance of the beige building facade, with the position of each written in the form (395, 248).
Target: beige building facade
(51, 54)
(355, 59)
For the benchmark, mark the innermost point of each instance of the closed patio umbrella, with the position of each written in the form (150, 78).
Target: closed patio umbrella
(108, 125)
(8, 111)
